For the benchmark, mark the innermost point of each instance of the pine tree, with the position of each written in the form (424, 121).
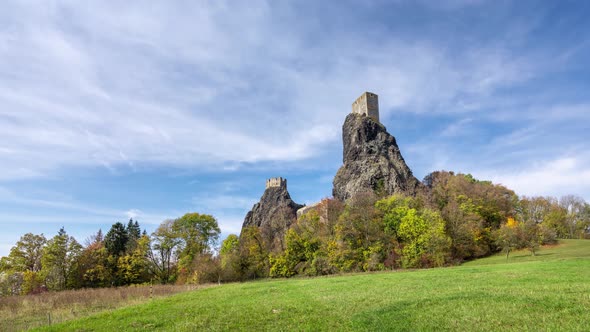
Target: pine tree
(116, 239)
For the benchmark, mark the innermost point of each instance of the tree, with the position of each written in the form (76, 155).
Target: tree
(93, 264)
(26, 254)
(229, 255)
(254, 257)
(134, 234)
(303, 246)
(471, 209)
(424, 241)
(11, 283)
(59, 261)
(116, 240)
(507, 236)
(530, 236)
(574, 207)
(360, 242)
(534, 209)
(133, 268)
(33, 283)
(162, 254)
(230, 244)
(198, 233)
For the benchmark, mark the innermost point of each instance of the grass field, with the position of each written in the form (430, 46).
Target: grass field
(18, 313)
(550, 291)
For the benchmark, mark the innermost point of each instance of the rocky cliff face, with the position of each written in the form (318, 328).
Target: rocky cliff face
(273, 214)
(372, 161)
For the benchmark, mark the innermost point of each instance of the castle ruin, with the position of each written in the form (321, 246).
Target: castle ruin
(276, 182)
(367, 104)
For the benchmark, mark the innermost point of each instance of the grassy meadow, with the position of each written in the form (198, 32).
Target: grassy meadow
(18, 313)
(548, 292)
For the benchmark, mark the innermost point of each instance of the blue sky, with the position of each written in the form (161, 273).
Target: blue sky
(112, 109)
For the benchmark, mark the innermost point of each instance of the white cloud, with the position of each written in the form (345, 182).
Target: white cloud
(133, 213)
(128, 85)
(561, 176)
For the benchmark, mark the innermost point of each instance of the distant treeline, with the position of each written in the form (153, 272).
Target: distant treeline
(452, 219)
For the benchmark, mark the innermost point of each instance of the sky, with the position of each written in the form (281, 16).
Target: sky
(151, 109)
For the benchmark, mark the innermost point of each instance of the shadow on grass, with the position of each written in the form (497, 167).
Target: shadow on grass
(452, 312)
(531, 256)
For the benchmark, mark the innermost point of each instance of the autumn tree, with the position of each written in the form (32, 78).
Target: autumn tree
(507, 237)
(133, 268)
(576, 219)
(93, 263)
(471, 209)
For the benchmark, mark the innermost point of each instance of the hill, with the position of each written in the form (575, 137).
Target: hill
(547, 292)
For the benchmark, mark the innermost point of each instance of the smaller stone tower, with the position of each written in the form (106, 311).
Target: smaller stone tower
(276, 182)
(367, 104)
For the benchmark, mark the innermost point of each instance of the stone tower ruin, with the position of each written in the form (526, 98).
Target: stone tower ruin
(276, 182)
(367, 104)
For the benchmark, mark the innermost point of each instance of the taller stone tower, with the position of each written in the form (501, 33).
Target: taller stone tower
(372, 161)
(367, 104)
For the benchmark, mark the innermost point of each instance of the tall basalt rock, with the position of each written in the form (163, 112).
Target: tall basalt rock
(372, 161)
(274, 213)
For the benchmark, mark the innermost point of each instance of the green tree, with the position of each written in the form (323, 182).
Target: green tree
(198, 233)
(59, 261)
(116, 240)
(26, 254)
(423, 238)
(229, 254)
(133, 234)
(393, 209)
(253, 255)
(162, 254)
(360, 242)
(230, 244)
(33, 283)
(303, 245)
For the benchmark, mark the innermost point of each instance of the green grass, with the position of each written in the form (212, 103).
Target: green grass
(548, 292)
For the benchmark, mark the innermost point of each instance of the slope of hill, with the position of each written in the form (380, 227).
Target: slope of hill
(550, 291)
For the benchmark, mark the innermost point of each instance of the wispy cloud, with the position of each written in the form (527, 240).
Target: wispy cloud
(179, 85)
(456, 128)
(52, 207)
(560, 176)
(178, 90)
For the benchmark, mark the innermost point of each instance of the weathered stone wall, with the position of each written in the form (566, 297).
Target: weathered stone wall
(367, 104)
